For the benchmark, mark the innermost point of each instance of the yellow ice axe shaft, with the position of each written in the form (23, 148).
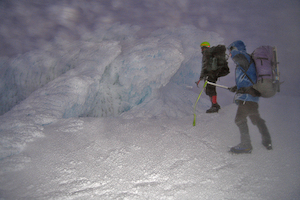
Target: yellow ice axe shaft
(194, 122)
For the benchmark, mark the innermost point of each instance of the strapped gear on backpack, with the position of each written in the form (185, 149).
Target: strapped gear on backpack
(218, 61)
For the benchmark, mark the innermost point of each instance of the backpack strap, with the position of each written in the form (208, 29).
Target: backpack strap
(244, 63)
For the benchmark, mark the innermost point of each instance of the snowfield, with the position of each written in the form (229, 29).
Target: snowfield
(109, 115)
(157, 158)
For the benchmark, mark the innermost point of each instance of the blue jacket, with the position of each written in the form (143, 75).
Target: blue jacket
(242, 61)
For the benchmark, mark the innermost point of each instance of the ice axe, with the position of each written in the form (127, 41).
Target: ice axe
(221, 86)
(205, 83)
(194, 122)
(210, 83)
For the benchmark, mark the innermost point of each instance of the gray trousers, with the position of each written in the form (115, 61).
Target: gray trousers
(250, 109)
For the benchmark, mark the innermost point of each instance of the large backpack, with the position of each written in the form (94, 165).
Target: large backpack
(267, 71)
(218, 60)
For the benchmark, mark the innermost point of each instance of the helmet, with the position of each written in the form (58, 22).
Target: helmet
(205, 44)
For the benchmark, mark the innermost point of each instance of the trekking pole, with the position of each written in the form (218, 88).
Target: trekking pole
(194, 122)
(221, 86)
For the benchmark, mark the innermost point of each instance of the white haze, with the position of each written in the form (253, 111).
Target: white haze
(97, 101)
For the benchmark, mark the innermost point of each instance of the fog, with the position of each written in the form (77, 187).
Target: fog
(28, 25)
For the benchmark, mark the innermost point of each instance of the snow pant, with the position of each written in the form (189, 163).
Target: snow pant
(250, 109)
(210, 90)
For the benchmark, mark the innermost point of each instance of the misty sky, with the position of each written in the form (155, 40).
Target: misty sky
(26, 25)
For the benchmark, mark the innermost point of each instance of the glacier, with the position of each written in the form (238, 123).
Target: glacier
(104, 75)
(115, 69)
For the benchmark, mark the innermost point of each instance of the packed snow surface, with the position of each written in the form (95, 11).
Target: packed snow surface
(117, 124)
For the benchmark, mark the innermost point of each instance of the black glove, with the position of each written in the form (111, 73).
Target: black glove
(233, 89)
(197, 82)
(249, 90)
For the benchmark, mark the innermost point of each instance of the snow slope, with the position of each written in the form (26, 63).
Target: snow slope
(110, 77)
(158, 157)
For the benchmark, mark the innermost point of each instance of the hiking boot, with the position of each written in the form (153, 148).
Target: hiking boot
(268, 145)
(241, 149)
(214, 108)
(266, 138)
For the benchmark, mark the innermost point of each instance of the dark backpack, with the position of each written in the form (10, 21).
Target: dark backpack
(218, 61)
(267, 71)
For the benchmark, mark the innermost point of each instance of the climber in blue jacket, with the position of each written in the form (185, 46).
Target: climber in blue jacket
(246, 98)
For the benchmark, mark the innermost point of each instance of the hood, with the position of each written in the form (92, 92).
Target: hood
(238, 44)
